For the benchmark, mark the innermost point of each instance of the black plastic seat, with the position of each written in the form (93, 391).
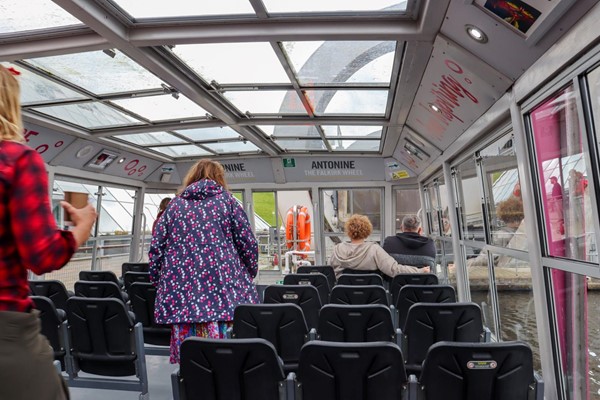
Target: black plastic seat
(360, 279)
(319, 269)
(317, 280)
(134, 267)
(412, 294)
(52, 289)
(363, 323)
(228, 369)
(479, 371)
(99, 276)
(410, 279)
(351, 371)
(282, 325)
(358, 295)
(414, 260)
(105, 340)
(131, 277)
(53, 325)
(142, 297)
(100, 289)
(428, 323)
(305, 296)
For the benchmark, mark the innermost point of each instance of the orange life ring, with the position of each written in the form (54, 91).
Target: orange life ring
(302, 241)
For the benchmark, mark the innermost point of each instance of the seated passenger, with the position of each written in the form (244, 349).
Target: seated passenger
(410, 246)
(366, 256)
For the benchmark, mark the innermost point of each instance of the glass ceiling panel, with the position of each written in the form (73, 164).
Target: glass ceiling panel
(328, 102)
(301, 144)
(158, 108)
(232, 147)
(151, 139)
(332, 131)
(279, 6)
(36, 89)
(230, 63)
(19, 15)
(99, 73)
(89, 115)
(214, 133)
(322, 63)
(354, 145)
(183, 8)
(290, 130)
(182, 151)
(266, 101)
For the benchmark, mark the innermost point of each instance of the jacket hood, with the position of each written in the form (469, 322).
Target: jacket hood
(201, 190)
(412, 239)
(351, 254)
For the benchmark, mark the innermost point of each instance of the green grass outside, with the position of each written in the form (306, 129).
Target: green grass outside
(264, 206)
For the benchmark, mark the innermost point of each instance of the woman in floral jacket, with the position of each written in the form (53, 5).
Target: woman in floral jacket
(203, 258)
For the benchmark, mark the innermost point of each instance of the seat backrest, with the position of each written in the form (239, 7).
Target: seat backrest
(102, 337)
(351, 371)
(477, 371)
(360, 279)
(134, 267)
(375, 270)
(414, 260)
(54, 290)
(362, 323)
(412, 294)
(305, 296)
(50, 322)
(410, 279)
(102, 289)
(98, 276)
(142, 297)
(131, 277)
(317, 280)
(282, 325)
(230, 369)
(428, 323)
(370, 294)
(319, 269)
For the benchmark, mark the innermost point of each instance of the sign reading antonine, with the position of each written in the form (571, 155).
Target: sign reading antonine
(247, 171)
(335, 169)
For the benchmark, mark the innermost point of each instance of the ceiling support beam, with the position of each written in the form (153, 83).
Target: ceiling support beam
(43, 47)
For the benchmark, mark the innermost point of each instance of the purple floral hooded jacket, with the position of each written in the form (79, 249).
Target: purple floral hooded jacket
(203, 257)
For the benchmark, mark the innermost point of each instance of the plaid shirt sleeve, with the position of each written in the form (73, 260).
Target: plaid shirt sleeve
(42, 247)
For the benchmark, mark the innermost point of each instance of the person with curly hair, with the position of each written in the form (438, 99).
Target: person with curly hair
(366, 256)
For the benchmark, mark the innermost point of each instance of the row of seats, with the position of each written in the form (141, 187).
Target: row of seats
(250, 369)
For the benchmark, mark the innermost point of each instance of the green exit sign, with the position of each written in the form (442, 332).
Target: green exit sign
(289, 163)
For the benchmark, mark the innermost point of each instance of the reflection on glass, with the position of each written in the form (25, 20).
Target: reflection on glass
(339, 205)
(332, 131)
(39, 14)
(368, 202)
(215, 133)
(181, 151)
(563, 173)
(266, 102)
(337, 62)
(265, 229)
(479, 283)
(149, 139)
(151, 203)
(576, 302)
(408, 202)
(183, 8)
(89, 115)
(515, 300)
(432, 210)
(329, 102)
(290, 130)
(232, 147)
(228, 63)
(36, 89)
(499, 163)
(299, 144)
(278, 6)
(444, 208)
(98, 72)
(157, 108)
(354, 145)
(469, 197)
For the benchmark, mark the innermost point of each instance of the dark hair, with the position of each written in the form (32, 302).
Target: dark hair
(164, 203)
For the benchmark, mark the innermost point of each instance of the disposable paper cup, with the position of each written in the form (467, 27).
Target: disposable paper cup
(77, 200)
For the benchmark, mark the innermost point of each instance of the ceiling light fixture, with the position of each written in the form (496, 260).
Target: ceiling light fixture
(434, 107)
(121, 160)
(476, 34)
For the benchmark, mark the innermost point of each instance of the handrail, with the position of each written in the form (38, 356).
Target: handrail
(142, 238)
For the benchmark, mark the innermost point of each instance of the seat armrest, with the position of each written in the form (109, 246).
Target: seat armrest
(312, 334)
(413, 388)
(177, 385)
(486, 335)
(288, 388)
(536, 390)
(61, 314)
(131, 315)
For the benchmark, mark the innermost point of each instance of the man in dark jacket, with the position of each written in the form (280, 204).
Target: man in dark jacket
(409, 247)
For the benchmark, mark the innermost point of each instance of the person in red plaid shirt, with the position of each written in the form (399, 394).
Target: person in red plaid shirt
(29, 240)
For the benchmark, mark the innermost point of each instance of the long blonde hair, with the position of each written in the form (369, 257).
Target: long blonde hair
(205, 169)
(11, 126)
